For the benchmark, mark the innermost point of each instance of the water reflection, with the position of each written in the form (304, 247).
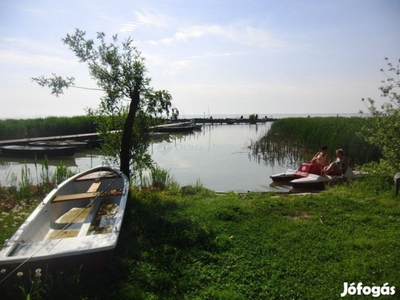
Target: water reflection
(10, 167)
(283, 151)
(221, 157)
(6, 162)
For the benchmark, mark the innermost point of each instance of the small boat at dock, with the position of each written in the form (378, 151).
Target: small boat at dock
(37, 151)
(302, 171)
(77, 223)
(309, 175)
(315, 181)
(173, 128)
(80, 145)
(176, 127)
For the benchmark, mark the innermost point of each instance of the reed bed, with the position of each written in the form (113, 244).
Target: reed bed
(50, 126)
(283, 150)
(19, 200)
(293, 139)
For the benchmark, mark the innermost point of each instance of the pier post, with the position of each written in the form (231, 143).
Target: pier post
(397, 182)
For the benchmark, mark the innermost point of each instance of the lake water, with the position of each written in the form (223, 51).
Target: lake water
(217, 156)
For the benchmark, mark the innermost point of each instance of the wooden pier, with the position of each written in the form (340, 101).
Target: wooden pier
(75, 137)
(228, 121)
(95, 136)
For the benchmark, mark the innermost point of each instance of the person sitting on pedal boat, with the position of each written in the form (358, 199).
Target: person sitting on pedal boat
(339, 166)
(321, 157)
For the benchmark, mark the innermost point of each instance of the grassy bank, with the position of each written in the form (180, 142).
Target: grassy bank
(302, 137)
(204, 246)
(189, 243)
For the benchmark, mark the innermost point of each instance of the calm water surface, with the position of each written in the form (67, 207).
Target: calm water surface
(218, 156)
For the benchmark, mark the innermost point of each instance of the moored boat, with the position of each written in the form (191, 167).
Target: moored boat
(309, 175)
(319, 181)
(80, 145)
(32, 151)
(303, 171)
(77, 223)
(176, 127)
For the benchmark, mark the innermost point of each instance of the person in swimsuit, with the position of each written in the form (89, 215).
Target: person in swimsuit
(321, 157)
(339, 166)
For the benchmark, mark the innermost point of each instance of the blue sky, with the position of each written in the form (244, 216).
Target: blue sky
(217, 57)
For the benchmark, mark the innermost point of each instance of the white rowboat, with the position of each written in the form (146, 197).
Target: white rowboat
(79, 221)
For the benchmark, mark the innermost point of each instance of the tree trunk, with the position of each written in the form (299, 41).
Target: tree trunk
(126, 143)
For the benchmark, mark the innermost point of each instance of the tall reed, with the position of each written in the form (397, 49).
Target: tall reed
(302, 137)
(157, 178)
(22, 187)
(50, 126)
(25, 184)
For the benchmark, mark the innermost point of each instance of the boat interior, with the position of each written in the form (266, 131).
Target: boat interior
(87, 206)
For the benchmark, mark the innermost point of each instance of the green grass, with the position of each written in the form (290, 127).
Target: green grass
(260, 246)
(193, 244)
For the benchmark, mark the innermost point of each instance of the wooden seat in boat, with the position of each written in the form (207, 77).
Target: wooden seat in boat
(94, 187)
(87, 195)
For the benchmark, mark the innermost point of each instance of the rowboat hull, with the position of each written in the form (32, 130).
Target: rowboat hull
(76, 223)
(80, 145)
(32, 151)
(176, 127)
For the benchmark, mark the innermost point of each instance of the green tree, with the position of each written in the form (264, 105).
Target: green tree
(385, 130)
(129, 103)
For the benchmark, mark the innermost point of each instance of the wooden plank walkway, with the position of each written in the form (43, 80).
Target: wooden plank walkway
(227, 120)
(93, 136)
(84, 136)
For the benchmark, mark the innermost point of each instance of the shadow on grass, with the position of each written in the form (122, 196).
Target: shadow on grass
(159, 243)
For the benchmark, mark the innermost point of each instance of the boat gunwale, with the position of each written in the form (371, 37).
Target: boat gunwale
(101, 242)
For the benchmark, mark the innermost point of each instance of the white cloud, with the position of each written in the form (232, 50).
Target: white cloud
(177, 66)
(144, 19)
(195, 32)
(127, 27)
(158, 20)
(168, 67)
(242, 34)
